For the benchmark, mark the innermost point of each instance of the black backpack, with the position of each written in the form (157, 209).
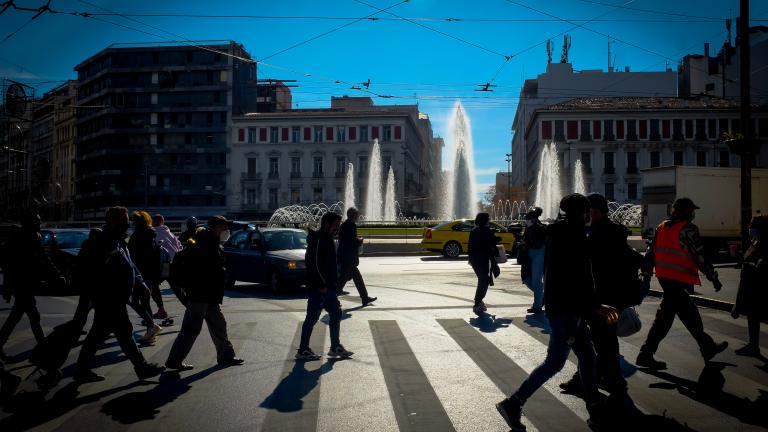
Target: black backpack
(182, 273)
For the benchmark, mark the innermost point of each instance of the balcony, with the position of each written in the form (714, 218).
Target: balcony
(273, 175)
(250, 176)
(295, 174)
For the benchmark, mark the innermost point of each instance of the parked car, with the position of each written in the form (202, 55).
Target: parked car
(270, 256)
(452, 238)
(62, 245)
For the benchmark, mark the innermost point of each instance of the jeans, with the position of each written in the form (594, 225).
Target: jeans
(536, 282)
(316, 302)
(22, 304)
(109, 318)
(352, 272)
(608, 360)
(676, 301)
(483, 280)
(567, 333)
(192, 325)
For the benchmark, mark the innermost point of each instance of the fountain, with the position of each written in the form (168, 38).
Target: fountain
(578, 178)
(389, 197)
(349, 187)
(461, 191)
(373, 202)
(548, 193)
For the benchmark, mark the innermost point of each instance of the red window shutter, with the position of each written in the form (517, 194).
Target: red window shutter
(353, 133)
(374, 132)
(284, 133)
(643, 129)
(619, 129)
(398, 132)
(262, 134)
(665, 129)
(597, 129)
(241, 134)
(329, 134)
(307, 134)
(546, 130)
(573, 130)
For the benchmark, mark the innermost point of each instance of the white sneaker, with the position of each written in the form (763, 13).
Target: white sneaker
(151, 333)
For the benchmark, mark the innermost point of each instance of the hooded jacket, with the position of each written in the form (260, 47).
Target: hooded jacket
(167, 240)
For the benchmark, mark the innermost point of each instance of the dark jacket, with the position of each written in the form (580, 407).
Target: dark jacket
(535, 235)
(145, 252)
(349, 244)
(321, 261)
(114, 273)
(482, 246)
(26, 263)
(615, 264)
(568, 286)
(185, 236)
(209, 268)
(752, 297)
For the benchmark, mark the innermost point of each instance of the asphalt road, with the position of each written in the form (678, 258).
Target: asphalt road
(423, 362)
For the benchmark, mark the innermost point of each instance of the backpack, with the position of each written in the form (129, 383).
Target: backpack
(182, 271)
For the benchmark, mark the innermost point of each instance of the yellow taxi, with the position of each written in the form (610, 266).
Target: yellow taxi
(452, 238)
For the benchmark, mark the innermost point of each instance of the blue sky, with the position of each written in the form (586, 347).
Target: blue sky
(402, 58)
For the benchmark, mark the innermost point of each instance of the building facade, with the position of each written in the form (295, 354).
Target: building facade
(301, 156)
(615, 138)
(16, 111)
(153, 131)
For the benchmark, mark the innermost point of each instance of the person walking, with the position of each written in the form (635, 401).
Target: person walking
(570, 299)
(349, 256)
(322, 282)
(25, 264)
(117, 278)
(752, 298)
(189, 232)
(482, 258)
(204, 296)
(145, 251)
(533, 247)
(165, 237)
(677, 255)
(81, 278)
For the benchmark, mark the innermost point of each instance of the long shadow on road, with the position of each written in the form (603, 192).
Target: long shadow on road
(289, 394)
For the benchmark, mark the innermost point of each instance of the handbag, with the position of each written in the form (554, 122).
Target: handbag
(501, 254)
(629, 322)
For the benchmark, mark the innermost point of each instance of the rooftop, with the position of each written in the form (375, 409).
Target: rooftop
(642, 103)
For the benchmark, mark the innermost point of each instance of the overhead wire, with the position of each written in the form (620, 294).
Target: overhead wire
(651, 10)
(41, 10)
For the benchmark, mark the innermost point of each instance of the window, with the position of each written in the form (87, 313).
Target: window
(655, 159)
(632, 130)
(632, 191)
(572, 129)
(341, 133)
(644, 129)
(608, 130)
(273, 197)
(387, 162)
(318, 134)
(398, 133)
(353, 134)
(250, 196)
(295, 134)
(284, 134)
(586, 162)
(762, 128)
(251, 166)
(701, 158)
(608, 167)
(363, 165)
(688, 128)
(317, 194)
(307, 134)
(251, 135)
(725, 158)
(632, 162)
(619, 129)
(546, 130)
(262, 134)
(387, 133)
(665, 129)
(208, 118)
(677, 129)
(339, 194)
(678, 158)
(274, 164)
(655, 136)
(239, 239)
(609, 192)
(295, 165)
(296, 196)
(273, 134)
(585, 131)
(374, 132)
(341, 165)
(712, 128)
(597, 130)
(363, 133)
(723, 125)
(329, 134)
(559, 130)
(318, 166)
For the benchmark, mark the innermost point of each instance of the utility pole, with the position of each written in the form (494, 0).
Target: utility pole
(405, 175)
(746, 123)
(509, 176)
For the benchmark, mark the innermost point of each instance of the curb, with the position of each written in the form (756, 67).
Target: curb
(701, 301)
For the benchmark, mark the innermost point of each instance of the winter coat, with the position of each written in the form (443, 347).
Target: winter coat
(568, 285)
(209, 280)
(26, 264)
(145, 252)
(349, 244)
(752, 297)
(114, 273)
(615, 264)
(321, 261)
(482, 247)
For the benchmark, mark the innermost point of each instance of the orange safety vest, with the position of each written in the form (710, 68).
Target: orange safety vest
(672, 260)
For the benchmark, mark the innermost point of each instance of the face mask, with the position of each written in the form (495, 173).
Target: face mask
(224, 236)
(693, 216)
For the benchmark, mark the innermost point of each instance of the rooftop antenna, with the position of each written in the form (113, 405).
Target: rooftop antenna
(566, 47)
(549, 51)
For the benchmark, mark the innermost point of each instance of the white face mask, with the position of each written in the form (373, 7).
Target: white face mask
(224, 236)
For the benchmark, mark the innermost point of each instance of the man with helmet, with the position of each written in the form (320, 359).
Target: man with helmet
(191, 225)
(677, 255)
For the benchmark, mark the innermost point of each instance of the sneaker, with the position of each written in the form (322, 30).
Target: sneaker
(573, 386)
(512, 410)
(149, 336)
(340, 351)
(369, 300)
(647, 360)
(179, 366)
(8, 385)
(148, 370)
(482, 306)
(715, 350)
(750, 350)
(234, 361)
(87, 376)
(160, 314)
(306, 354)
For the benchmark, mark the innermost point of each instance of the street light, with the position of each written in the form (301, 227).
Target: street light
(509, 176)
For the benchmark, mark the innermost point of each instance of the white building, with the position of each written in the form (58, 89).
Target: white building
(617, 137)
(300, 156)
(560, 83)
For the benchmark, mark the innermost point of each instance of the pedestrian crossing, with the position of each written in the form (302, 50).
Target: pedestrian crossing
(411, 371)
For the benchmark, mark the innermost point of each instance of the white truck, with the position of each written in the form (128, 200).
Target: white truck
(716, 190)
